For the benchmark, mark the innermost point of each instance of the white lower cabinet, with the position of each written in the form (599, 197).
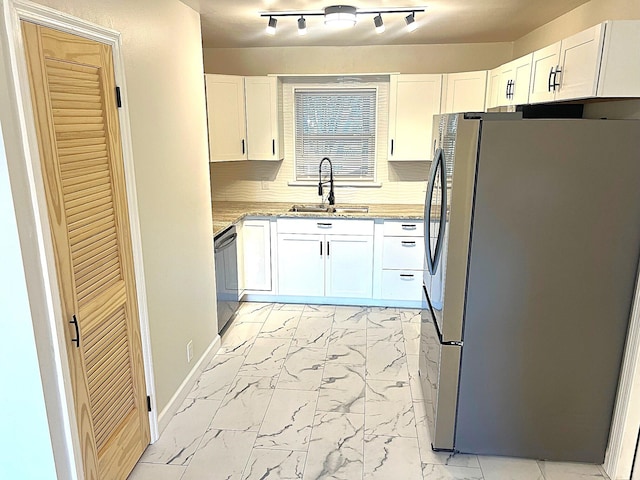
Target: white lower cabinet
(301, 265)
(403, 285)
(402, 260)
(349, 266)
(337, 261)
(256, 255)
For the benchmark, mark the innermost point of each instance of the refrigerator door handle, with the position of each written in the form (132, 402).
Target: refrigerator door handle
(435, 323)
(438, 166)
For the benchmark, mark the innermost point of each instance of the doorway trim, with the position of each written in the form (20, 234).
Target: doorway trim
(40, 273)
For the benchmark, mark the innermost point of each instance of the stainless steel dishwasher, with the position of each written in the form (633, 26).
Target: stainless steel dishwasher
(226, 260)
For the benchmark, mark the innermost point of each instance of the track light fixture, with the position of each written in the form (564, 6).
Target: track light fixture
(302, 26)
(271, 26)
(410, 20)
(340, 16)
(343, 16)
(377, 21)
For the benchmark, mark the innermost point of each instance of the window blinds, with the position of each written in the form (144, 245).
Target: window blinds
(339, 123)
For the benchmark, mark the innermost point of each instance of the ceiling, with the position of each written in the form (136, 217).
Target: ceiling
(237, 23)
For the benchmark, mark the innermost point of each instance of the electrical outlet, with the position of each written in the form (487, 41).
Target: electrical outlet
(264, 184)
(189, 351)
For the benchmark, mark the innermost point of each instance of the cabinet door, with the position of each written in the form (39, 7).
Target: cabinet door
(494, 98)
(301, 265)
(544, 60)
(521, 77)
(414, 100)
(465, 92)
(226, 117)
(580, 57)
(256, 238)
(349, 266)
(506, 78)
(263, 136)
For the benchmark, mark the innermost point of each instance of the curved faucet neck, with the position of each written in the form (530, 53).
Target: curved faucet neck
(331, 197)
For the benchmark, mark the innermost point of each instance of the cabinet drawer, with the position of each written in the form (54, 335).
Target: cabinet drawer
(403, 252)
(403, 228)
(326, 226)
(402, 285)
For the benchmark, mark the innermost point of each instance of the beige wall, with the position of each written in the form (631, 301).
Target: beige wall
(579, 19)
(161, 45)
(362, 59)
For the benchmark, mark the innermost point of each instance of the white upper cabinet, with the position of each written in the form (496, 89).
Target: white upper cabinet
(509, 83)
(543, 66)
(567, 69)
(414, 100)
(263, 124)
(620, 63)
(226, 117)
(464, 92)
(243, 118)
(601, 61)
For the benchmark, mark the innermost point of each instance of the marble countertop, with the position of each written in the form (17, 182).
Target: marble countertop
(227, 213)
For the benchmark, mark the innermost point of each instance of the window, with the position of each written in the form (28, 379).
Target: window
(339, 123)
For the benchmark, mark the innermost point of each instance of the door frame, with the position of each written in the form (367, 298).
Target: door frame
(32, 216)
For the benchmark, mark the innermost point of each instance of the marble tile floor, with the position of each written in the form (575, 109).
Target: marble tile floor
(319, 392)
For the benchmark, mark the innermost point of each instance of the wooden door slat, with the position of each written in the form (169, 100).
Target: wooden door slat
(83, 243)
(92, 290)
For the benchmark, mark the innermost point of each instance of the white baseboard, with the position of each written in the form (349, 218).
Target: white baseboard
(167, 413)
(360, 302)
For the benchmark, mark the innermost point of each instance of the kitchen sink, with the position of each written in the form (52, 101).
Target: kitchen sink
(350, 209)
(329, 209)
(310, 208)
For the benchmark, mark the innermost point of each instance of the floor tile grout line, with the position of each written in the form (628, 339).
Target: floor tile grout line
(270, 398)
(324, 366)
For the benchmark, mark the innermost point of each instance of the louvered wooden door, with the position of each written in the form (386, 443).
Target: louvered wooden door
(73, 93)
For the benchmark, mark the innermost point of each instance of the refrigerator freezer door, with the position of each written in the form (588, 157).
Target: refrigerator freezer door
(439, 367)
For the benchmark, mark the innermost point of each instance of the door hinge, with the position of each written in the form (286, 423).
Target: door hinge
(148, 403)
(118, 98)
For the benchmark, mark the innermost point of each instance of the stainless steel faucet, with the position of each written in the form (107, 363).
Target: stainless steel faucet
(331, 197)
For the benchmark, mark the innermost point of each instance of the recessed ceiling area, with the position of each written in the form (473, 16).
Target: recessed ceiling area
(237, 23)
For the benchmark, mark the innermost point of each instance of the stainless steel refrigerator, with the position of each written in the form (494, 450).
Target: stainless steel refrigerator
(533, 229)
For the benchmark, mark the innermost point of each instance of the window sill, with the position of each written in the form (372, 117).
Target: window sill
(337, 184)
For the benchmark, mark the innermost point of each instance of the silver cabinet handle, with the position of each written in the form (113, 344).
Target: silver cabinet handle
(409, 226)
(324, 225)
(407, 243)
(406, 275)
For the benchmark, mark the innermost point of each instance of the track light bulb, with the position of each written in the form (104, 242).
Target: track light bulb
(302, 26)
(411, 21)
(271, 27)
(377, 21)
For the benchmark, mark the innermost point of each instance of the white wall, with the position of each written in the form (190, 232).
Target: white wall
(25, 443)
